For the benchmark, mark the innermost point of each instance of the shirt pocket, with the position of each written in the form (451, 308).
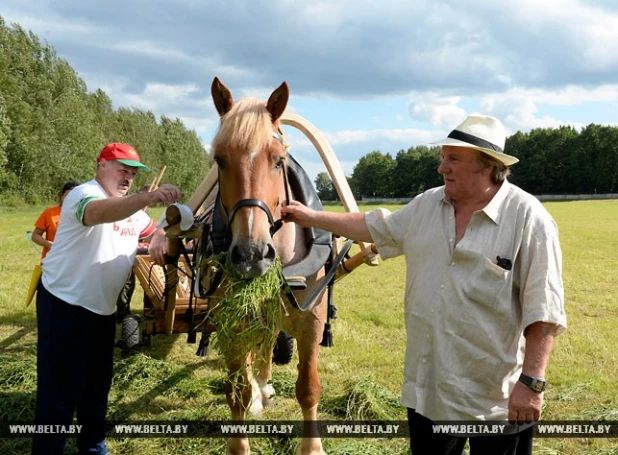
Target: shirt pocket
(487, 283)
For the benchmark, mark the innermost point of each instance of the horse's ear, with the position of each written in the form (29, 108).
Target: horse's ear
(278, 101)
(222, 97)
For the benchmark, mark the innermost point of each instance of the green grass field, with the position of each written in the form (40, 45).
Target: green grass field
(166, 381)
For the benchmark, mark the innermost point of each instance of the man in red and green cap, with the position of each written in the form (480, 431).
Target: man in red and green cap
(93, 254)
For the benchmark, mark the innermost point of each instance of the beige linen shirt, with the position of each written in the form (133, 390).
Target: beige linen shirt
(465, 315)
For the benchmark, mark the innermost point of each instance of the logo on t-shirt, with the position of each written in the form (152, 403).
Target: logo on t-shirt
(127, 228)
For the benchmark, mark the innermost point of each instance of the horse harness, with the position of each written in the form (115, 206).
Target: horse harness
(217, 238)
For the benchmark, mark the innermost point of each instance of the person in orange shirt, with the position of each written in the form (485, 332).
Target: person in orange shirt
(48, 221)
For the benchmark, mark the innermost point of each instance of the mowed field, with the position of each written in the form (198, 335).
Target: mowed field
(361, 375)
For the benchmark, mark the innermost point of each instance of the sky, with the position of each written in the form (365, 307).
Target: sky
(369, 75)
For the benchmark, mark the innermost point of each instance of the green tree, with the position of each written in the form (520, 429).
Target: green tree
(416, 171)
(186, 160)
(325, 188)
(372, 176)
(51, 128)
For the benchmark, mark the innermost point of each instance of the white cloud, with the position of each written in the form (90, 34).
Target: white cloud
(586, 26)
(156, 97)
(408, 135)
(48, 23)
(346, 137)
(519, 107)
(438, 110)
(151, 49)
(204, 127)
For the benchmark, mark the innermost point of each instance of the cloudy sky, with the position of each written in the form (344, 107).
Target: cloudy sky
(370, 75)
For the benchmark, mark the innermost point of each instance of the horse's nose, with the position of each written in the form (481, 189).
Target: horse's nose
(270, 252)
(252, 260)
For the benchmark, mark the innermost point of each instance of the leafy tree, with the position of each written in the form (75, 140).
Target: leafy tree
(372, 176)
(416, 171)
(51, 128)
(186, 159)
(325, 187)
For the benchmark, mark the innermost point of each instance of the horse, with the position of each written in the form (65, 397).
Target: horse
(251, 157)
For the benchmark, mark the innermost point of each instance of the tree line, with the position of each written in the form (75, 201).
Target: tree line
(52, 128)
(560, 160)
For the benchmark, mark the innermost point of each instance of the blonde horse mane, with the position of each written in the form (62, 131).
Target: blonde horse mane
(247, 126)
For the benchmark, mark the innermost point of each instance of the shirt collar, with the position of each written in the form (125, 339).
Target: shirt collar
(492, 209)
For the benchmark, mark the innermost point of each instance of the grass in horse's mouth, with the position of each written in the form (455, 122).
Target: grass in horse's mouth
(248, 316)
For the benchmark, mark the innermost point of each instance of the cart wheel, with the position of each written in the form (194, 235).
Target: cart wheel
(130, 332)
(284, 348)
(145, 338)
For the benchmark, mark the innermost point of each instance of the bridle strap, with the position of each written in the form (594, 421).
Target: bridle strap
(279, 137)
(250, 203)
(279, 223)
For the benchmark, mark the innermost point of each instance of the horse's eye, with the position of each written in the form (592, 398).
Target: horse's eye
(220, 163)
(279, 164)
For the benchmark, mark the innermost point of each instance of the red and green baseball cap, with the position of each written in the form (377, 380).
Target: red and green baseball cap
(123, 153)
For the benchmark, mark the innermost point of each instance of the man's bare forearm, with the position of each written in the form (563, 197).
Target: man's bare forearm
(114, 209)
(539, 343)
(351, 225)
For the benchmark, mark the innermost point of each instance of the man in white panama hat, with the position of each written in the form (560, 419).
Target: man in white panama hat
(484, 294)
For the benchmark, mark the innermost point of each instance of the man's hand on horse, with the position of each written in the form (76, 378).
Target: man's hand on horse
(298, 213)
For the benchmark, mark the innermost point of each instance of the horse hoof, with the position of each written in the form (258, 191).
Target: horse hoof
(310, 447)
(256, 408)
(239, 446)
(268, 395)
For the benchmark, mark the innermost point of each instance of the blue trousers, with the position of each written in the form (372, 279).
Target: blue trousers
(75, 349)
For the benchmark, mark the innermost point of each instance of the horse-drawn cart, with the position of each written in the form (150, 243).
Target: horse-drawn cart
(250, 275)
(170, 305)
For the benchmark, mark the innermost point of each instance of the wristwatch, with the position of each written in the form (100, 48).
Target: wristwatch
(537, 384)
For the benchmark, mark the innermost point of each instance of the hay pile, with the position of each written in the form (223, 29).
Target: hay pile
(248, 316)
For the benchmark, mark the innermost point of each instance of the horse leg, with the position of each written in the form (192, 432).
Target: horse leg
(263, 376)
(238, 393)
(308, 332)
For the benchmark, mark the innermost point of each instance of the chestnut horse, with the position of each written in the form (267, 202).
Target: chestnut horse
(251, 157)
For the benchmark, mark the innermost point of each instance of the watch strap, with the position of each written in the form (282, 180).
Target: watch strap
(537, 384)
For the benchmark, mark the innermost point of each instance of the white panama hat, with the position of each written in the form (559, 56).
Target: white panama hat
(483, 133)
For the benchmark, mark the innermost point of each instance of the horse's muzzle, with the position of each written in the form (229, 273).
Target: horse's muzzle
(251, 260)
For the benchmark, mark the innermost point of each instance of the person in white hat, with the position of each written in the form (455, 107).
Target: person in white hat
(484, 295)
(83, 273)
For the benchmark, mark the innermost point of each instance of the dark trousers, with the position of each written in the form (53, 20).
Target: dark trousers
(75, 350)
(424, 442)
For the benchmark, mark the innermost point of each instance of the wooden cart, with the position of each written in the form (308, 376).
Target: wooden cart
(151, 277)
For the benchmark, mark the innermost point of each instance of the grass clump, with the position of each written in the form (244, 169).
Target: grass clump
(248, 315)
(363, 399)
(140, 372)
(18, 372)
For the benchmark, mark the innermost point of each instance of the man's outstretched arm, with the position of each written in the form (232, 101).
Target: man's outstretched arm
(350, 225)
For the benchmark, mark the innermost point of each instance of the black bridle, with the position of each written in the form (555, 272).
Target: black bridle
(274, 225)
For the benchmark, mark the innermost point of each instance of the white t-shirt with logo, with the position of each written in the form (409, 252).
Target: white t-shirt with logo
(88, 265)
